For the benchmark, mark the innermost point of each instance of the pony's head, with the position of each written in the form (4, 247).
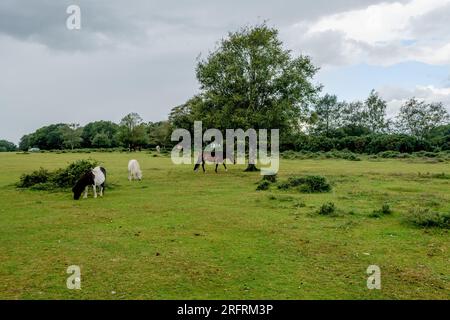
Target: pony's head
(85, 180)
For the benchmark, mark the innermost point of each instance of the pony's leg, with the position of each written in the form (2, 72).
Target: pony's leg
(197, 165)
(203, 166)
(85, 192)
(129, 175)
(95, 191)
(101, 190)
(224, 165)
(216, 167)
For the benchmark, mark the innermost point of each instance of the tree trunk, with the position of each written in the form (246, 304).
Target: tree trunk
(252, 168)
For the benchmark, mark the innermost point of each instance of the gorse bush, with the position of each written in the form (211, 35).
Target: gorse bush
(43, 179)
(308, 184)
(425, 218)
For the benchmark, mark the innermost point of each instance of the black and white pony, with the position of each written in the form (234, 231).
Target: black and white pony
(95, 178)
(214, 157)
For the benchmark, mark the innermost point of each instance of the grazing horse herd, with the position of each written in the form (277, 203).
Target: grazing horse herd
(97, 176)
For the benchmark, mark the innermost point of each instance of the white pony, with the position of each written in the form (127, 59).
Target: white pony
(134, 170)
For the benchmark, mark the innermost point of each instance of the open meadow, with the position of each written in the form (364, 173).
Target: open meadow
(184, 235)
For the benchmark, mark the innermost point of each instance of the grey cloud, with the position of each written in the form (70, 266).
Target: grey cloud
(43, 21)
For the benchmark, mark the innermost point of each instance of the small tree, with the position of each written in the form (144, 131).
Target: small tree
(419, 118)
(71, 134)
(375, 112)
(327, 114)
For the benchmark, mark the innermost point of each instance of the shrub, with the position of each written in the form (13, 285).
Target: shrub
(270, 178)
(423, 217)
(385, 210)
(327, 209)
(62, 178)
(66, 178)
(36, 177)
(308, 184)
(263, 186)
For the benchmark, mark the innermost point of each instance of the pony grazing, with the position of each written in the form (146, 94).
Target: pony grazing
(134, 170)
(95, 178)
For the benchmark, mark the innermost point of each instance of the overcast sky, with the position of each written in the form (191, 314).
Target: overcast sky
(139, 56)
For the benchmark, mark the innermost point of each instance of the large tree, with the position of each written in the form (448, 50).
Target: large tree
(419, 118)
(251, 81)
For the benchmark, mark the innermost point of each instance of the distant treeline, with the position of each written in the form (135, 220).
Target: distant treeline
(133, 134)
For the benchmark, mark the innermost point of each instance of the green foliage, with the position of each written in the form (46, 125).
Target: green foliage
(43, 179)
(384, 211)
(6, 146)
(132, 132)
(101, 140)
(270, 178)
(66, 178)
(418, 118)
(71, 134)
(159, 134)
(100, 134)
(36, 177)
(263, 186)
(308, 184)
(327, 209)
(425, 218)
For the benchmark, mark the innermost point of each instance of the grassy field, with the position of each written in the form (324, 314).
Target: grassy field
(180, 235)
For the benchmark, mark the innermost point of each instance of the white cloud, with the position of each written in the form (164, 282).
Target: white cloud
(397, 96)
(381, 34)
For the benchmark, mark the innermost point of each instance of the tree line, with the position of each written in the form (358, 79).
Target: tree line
(131, 133)
(250, 81)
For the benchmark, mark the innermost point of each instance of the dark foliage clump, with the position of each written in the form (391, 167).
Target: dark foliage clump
(270, 178)
(327, 209)
(66, 178)
(263, 186)
(425, 218)
(43, 179)
(308, 184)
(36, 177)
(384, 211)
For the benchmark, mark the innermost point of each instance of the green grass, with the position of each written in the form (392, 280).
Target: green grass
(180, 235)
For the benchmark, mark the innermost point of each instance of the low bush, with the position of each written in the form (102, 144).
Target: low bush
(270, 178)
(327, 209)
(425, 218)
(384, 211)
(263, 186)
(36, 177)
(43, 179)
(308, 184)
(66, 178)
